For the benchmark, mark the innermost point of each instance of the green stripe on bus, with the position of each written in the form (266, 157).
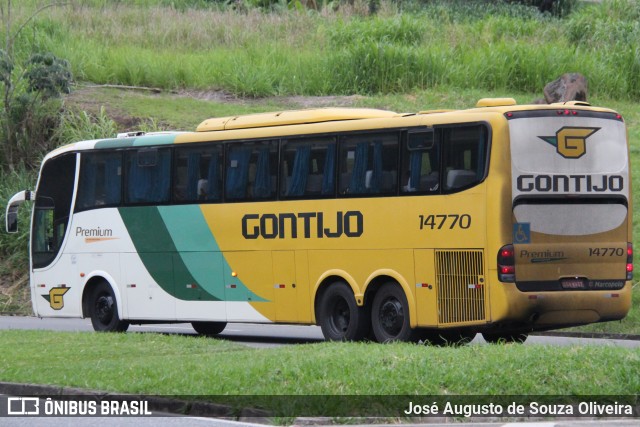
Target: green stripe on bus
(141, 141)
(158, 253)
(114, 143)
(180, 253)
(200, 252)
(163, 139)
(188, 228)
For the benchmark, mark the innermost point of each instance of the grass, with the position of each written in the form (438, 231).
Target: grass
(150, 363)
(408, 47)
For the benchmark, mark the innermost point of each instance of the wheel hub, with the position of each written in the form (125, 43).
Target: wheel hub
(341, 316)
(391, 316)
(104, 308)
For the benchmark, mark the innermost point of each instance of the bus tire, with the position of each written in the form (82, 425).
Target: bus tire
(209, 328)
(505, 338)
(340, 317)
(103, 310)
(390, 314)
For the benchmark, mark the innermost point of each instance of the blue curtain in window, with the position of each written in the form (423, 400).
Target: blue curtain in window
(150, 183)
(112, 180)
(139, 181)
(213, 175)
(262, 186)
(160, 178)
(300, 171)
(193, 175)
(376, 176)
(237, 173)
(88, 182)
(329, 173)
(415, 163)
(358, 176)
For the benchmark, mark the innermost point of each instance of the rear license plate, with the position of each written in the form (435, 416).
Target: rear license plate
(573, 284)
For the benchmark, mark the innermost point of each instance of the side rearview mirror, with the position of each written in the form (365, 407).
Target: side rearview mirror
(11, 217)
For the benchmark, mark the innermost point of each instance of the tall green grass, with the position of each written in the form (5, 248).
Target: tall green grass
(198, 366)
(471, 44)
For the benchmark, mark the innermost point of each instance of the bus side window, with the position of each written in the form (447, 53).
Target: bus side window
(420, 163)
(251, 171)
(308, 168)
(100, 181)
(197, 175)
(464, 156)
(368, 164)
(148, 175)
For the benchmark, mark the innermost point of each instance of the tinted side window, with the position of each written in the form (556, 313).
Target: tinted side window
(421, 163)
(198, 174)
(308, 168)
(368, 164)
(100, 181)
(464, 156)
(148, 175)
(251, 171)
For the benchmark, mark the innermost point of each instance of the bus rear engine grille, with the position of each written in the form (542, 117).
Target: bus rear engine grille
(460, 285)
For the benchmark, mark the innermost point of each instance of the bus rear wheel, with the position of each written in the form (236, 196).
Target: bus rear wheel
(209, 328)
(506, 338)
(103, 310)
(390, 314)
(340, 317)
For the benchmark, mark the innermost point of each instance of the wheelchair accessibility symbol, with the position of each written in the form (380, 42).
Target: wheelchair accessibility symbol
(521, 233)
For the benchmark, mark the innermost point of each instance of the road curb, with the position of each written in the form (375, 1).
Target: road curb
(594, 335)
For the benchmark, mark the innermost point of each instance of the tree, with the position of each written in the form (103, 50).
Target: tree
(28, 114)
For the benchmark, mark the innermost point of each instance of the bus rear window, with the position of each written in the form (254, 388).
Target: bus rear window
(575, 216)
(464, 157)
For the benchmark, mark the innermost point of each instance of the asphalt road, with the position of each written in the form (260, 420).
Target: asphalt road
(260, 335)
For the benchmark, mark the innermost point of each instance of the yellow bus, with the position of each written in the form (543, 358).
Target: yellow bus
(502, 219)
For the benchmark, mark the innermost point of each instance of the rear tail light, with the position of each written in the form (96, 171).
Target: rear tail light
(506, 264)
(629, 261)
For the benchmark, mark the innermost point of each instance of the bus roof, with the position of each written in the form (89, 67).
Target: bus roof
(294, 117)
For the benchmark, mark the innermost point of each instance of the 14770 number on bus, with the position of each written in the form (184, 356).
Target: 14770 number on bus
(450, 221)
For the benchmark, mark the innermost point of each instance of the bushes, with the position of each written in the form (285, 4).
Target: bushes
(30, 106)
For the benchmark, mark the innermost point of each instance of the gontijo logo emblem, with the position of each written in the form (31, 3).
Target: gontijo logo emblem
(570, 142)
(56, 297)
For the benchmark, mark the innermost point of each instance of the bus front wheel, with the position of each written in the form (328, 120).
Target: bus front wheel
(390, 314)
(340, 317)
(104, 310)
(209, 328)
